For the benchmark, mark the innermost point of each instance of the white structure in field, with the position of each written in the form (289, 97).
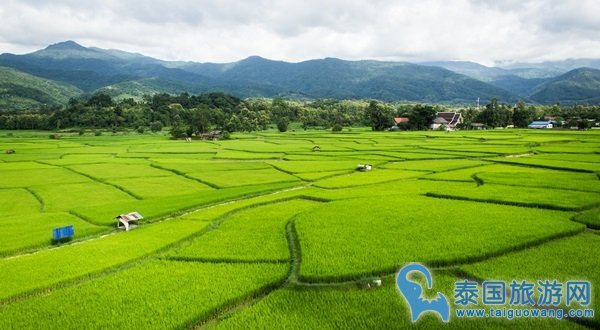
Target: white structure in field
(125, 220)
(363, 167)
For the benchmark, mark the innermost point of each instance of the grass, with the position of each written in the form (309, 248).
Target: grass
(224, 179)
(25, 223)
(554, 199)
(155, 187)
(315, 166)
(155, 208)
(116, 171)
(39, 176)
(154, 295)
(358, 237)
(566, 165)
(56, 266)
(26, 231)
(256, 234)
(71, 195)
(572, 258)
(365, 178)
(544, 178)
(190, 166)
(434, 165)
(261, 232)
(591, 218)
(348, 307)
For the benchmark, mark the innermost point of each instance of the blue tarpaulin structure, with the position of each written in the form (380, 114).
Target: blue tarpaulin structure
(62, 233)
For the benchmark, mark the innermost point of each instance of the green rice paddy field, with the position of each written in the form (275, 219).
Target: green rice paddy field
(260, 231)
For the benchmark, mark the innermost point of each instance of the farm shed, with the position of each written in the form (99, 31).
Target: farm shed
(125, 220)
(213, 135)
(541, 124)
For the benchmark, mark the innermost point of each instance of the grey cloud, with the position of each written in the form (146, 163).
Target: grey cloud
(226, 30)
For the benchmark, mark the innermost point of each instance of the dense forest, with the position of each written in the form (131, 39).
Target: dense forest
(192, 115)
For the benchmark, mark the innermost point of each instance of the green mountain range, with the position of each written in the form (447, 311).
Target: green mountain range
(22, 91)
(576, 86)
(74, 69)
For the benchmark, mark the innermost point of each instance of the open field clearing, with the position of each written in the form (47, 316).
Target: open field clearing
(72, 195)
(224, 179)
(158, 295)
(359, 237)
(256, 234)
(263, 231)
(154, 208)
(435, 165)
(54, 266)
(360, 179)
(555, 199)
(565, 165)
(346, 307)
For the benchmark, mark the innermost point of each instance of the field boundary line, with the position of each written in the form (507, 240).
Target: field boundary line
(179, 173)
(225, 260)
(289, 281)
(444, 180)
(477, 180)
(295, 252)
(99, 181)
(175, 215)
(440, 264)
(550, 167)
(211, 318)
(38, 198)
(514, 203)
(542, 187)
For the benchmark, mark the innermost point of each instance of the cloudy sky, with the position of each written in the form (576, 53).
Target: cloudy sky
(485, 31)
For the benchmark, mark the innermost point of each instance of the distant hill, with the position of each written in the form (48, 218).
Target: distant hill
(122, 74)
(576, 86)
(523, 87)
(90, 69)
(471, 69)
(20, 91)
(335, 78)
(551, 68)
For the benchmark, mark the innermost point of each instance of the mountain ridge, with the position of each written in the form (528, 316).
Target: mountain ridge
(124, 74)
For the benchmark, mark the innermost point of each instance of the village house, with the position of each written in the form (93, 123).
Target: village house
(449, 120)
(401, 120)
(541, 124)
(400, 123)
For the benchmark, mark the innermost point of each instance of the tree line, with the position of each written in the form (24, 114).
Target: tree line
(192, 115)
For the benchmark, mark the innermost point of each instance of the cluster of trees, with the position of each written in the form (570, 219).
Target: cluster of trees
(496, 114)
(189, 115)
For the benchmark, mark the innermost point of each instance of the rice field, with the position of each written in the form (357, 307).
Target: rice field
(265, 231)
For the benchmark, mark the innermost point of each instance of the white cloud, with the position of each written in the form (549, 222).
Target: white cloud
(480, 30)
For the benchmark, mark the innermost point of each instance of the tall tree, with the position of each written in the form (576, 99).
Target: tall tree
(379, 116)
(421, 117)
(495, 114)
(522, 115)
